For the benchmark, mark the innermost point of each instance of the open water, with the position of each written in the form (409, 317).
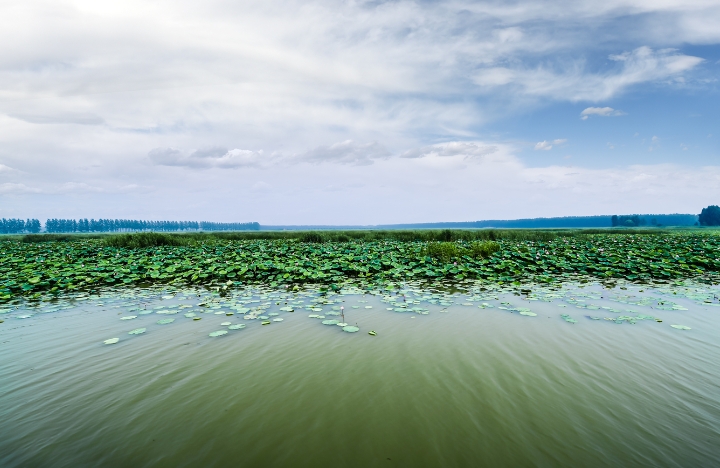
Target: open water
(464, 380)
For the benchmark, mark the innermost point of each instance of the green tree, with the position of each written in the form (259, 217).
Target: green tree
(710, 216)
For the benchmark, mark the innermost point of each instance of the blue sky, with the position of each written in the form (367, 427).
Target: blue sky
(353, 112)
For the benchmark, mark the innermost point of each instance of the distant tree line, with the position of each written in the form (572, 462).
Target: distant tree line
(629, 221)
(566, 222)
(129, 225)
(18, 226)
(653, 220)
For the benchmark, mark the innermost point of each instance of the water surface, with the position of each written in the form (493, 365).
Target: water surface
(447, 384)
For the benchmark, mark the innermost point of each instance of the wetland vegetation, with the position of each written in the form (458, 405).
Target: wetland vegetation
(43, 265)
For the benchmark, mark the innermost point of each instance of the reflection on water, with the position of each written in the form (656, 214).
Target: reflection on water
(481, 375)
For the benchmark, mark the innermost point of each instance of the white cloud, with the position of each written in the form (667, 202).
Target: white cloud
(78, 187)
(207, 158)
(17, 189)
(601, 111)
(575, 83)
(77, 118)
(6, 169)
(467, 150)
(547, 145)
(346, 152)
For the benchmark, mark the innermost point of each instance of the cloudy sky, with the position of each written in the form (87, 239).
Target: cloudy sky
(358, 112)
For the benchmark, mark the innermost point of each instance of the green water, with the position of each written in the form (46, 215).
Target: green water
(460, 386)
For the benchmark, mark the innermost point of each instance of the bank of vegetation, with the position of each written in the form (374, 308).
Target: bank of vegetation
(42, 265)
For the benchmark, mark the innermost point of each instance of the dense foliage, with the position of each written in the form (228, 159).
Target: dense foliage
(116, 225)
(710, 216)
(31, 268)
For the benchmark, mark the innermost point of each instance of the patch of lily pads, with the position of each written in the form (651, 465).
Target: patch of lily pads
(34, 269)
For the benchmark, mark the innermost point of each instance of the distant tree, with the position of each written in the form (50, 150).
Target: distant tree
(614, 220)
(32, 226)
(710, 216)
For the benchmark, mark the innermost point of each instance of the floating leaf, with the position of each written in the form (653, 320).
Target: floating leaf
(128, 317)
(225, 324)
(165, 321)
(239, 326)
(266, 322)
(329, 322)
(111, 341)
(681, 327)
(137, 331)
(351, 329)
(218, 333)
(528, 313)
(197, 318)
(277, 320)
(372, 332)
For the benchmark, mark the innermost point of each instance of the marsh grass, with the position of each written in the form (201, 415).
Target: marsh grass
(446, 251)
(146, 239)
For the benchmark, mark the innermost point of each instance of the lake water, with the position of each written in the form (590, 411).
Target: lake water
(463, 380)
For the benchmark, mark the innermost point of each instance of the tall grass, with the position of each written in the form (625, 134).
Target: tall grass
(448, 250)
(145, 239)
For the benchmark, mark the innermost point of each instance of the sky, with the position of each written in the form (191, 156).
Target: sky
(358, 112)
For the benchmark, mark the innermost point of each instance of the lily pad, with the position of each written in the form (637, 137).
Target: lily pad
(111, 341)
(165, 321)
(529, 314)
(137, 331)
(225, 324)
(218, 333)
(266, 322)
(277, 319)
(239, 326)
(351, 329)
(681, 327)
(330, 322)
(128, 317)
